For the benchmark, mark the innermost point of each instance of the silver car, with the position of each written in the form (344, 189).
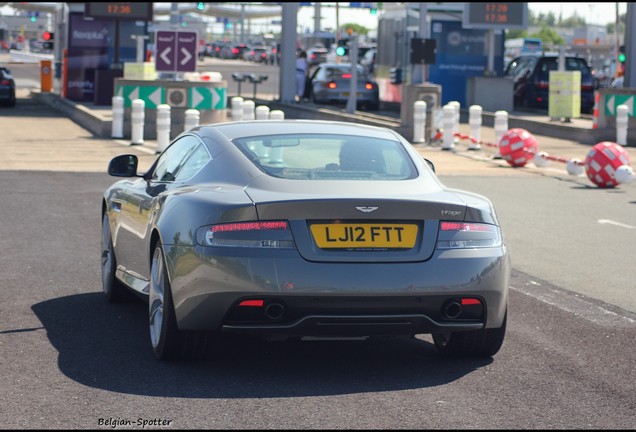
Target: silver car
(300, 228)
(331, 83)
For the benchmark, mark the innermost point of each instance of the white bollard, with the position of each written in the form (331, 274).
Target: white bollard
(456, 105)
(277, 153)
(163, 127)
(237, 108)
(474, 120)
(449, 120)
(191, 119)
(137, 121)
(277, 115)
(248, 110)
(262, 112)
(118, 117)
(419, 122)
(622, 119)
(501, 127)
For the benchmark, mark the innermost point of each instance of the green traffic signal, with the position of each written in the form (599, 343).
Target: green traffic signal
(200, 6)
(340, 51)
(373, 11)
(621, 58)
(33, 19)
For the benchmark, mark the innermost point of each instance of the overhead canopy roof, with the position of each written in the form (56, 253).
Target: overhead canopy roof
(212, 9)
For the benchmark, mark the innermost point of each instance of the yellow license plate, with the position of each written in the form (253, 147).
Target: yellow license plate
(346, 94)
(365, 236)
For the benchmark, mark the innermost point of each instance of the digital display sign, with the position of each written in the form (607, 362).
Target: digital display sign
(495, 15)
(122, 11)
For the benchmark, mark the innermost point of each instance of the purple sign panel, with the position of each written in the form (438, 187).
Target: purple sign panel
(176, 51)
(87, 52)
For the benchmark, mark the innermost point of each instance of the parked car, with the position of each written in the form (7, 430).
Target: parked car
(7, 88)
(234, 51)
(294, 228)
(316, 55)
(531, 76)
(260, 54)
(331, 83)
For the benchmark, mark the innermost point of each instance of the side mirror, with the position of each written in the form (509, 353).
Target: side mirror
(123, 166)
(430, 164)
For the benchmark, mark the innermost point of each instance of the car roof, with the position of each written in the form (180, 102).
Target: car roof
(232, 130)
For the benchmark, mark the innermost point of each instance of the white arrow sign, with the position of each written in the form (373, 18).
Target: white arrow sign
(196, 98)
(164, 55)
(134, 94)
(215, 98)
(187, 56)
(630, 105)
(155, 96)
(610, 104)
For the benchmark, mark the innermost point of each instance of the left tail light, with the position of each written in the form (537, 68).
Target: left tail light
(264, 234)
(468, 235)
(331, 85)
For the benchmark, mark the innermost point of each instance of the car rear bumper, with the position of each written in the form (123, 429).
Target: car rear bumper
(328, 299)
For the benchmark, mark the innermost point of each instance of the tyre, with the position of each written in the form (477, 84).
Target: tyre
(478, 343)
(168, 342)
(114, 290)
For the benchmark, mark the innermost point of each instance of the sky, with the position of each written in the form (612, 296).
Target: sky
(594, 13)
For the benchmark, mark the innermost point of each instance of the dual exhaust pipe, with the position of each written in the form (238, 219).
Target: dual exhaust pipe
(451, 309)
(274, 311)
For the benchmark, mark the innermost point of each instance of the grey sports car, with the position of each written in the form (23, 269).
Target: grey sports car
(300, 228)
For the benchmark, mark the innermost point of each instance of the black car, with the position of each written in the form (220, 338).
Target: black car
(531, 76)
(7, 88)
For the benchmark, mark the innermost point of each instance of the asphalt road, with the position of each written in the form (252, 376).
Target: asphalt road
(70, 360)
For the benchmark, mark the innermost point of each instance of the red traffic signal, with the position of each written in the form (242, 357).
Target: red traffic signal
(47, 36)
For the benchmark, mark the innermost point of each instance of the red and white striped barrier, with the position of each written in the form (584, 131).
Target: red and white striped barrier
(607, 164)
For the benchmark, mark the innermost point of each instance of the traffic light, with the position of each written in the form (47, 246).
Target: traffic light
(343, 47)
(48, 36)
(200, 6)
(621, 54)
(396, 75)
(373, 11)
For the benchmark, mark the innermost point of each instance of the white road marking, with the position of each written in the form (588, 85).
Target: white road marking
(611, 222)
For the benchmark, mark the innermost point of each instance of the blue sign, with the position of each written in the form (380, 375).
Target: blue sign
(461, 54)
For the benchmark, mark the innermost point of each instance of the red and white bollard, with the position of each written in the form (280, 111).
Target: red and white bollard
(597, 98)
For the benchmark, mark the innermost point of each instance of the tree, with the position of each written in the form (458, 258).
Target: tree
(549, 36)
(516, 33)
(622, 21)
(355, 28)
